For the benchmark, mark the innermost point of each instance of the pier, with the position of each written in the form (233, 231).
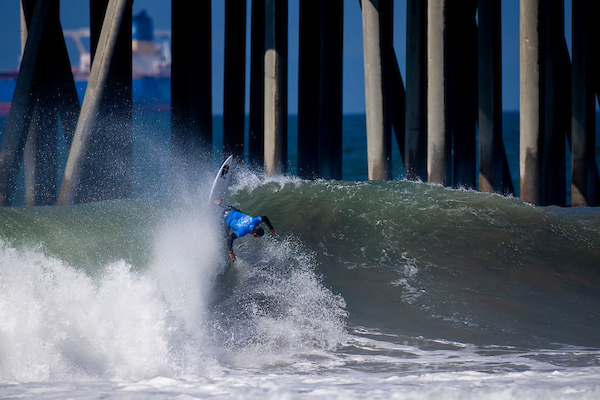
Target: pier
(445, 114)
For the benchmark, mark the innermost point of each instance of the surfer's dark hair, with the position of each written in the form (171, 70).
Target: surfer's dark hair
(258, 231)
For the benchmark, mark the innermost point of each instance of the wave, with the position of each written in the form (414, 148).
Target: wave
(424, 260)
(141, 288)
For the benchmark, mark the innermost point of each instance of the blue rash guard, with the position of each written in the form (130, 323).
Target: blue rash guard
(241, 224)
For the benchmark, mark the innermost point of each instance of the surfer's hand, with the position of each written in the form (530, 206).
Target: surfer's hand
(233, 257)
(274, 232)
(219, 200)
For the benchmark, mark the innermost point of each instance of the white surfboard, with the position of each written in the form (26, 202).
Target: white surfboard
(221, 184)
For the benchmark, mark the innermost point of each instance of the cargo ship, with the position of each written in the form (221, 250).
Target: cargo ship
(151, 65)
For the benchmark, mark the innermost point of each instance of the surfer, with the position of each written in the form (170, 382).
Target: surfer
(242, 224)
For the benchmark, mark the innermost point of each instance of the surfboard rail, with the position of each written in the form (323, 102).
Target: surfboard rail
(221, 183)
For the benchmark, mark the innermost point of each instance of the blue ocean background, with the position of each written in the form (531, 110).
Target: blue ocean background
(354, 144)
(151, 132)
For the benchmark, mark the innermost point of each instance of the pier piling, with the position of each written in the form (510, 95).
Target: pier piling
(462, 104)
(584, 170)
(438, 132)
(556, 105)
(107, 168)
(398, 106)
(19, 117)
(91, 109)
(191, 86)
(256, 140)
(330, 89)
(320, 89)
(532, 95)
(415, 150)
(55, 96)
(275, 70)
(378, 115)
(309, 99)
(490, 97)
(234, 90)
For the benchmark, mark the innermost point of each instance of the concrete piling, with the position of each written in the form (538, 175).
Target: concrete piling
(415, 149)
(490, 97)
(462, 104)
(378, 120)
(92, 103)
(531, 106)
(234, 90)
(556, 109)
(584, 170)
(275, 70)
(438, 133)
(191, 85)
(256, 141)
(320, 89)
(19, 117)
(107, 168)
(45, 90)
(330, 88)
(398, 106)
(309, 100)
(55, 96)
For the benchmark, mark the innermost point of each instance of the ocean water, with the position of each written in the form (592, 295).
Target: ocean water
(372, 290)
(149, 126)
(151, 132)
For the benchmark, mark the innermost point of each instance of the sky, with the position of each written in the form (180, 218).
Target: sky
(75, 14)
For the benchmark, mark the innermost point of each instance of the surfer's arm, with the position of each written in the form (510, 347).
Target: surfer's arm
(219, 202)
(230, 239)
(266, 221)
(228, 207)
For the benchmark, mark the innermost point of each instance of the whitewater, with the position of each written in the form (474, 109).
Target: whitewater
(373, 290)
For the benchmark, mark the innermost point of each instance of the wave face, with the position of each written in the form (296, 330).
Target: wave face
(422, 260)
(136, 289)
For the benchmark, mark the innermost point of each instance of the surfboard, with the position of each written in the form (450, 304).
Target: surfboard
(221, 183)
